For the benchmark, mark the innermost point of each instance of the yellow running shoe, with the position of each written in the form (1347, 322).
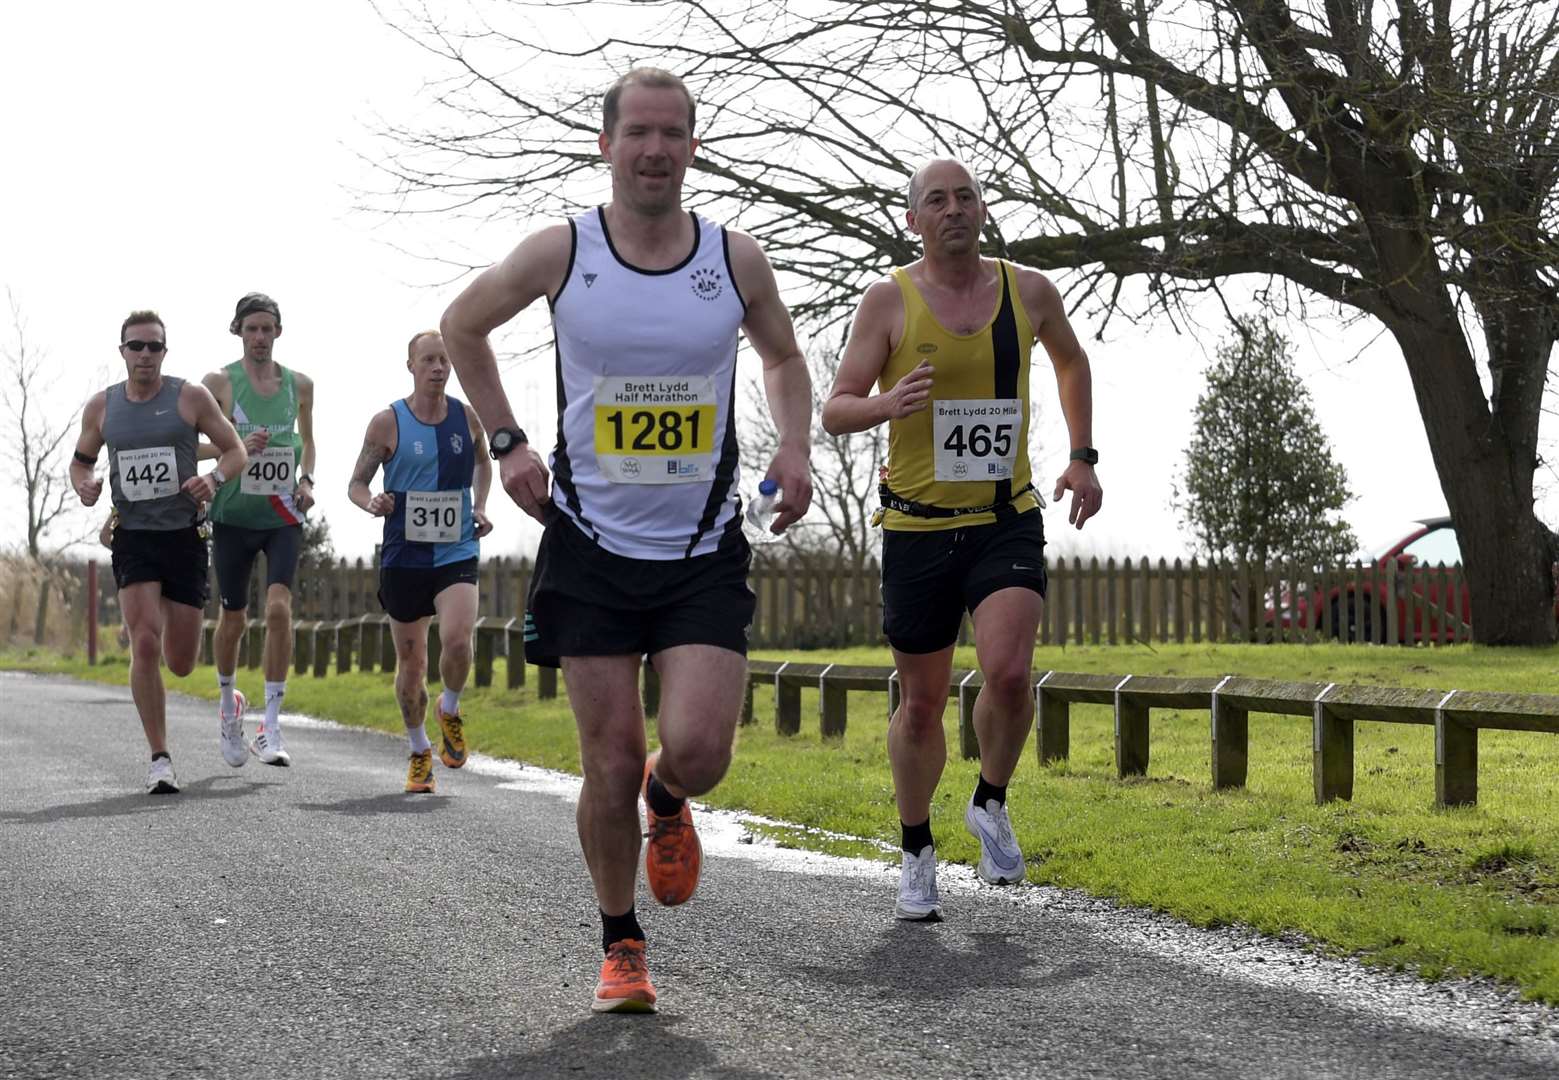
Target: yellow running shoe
(453, 751)
(419, 774)
(673, 856)
(625, 985)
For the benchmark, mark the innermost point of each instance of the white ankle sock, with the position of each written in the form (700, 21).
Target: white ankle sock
(274, 692)
(226, 684)
(418, 737)
(449, 701)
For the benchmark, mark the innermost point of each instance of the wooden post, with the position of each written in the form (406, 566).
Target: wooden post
(1196, 603)
(1455, 760)
(1111, 606)
(787, 703)
(388, 656)
(649, 691)
(92, 615)
(1231, 742)
(833, 706)
(1332, 753)
(1053, 724)
(747, 714)
(254, 643)
(324, 634)
(1131, 735)
(1179, 598)
(208, 652)
(484, 652)
(435, 650)
(346, 641)
(546, 683)
(515, 635)
(968, 738)
(368, 648)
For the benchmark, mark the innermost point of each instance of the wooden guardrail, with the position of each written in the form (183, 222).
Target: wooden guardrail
(1456, 716)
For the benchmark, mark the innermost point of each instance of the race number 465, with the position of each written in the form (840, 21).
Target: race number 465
(976, 439)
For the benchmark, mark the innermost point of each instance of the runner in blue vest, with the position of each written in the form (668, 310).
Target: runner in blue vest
(150, 423)
(433, 451)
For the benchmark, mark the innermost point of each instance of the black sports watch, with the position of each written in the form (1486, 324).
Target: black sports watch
(1086, 454)
(505, 439)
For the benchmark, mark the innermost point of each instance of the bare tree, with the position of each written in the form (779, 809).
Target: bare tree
(1397, 161)
(35, 445)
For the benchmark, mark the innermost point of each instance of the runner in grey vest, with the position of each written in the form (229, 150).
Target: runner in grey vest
(150, 423)
(151, 452)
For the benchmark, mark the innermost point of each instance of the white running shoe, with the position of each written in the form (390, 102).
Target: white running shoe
(234, 752)
(161, 781)
(918, 900)
(268, 748)
(1001, 860)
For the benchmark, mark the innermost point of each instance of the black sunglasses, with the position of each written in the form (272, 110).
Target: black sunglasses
(137, 346)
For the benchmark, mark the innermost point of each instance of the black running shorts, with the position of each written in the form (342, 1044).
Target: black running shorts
(929, 579)
(176, 559)
(234, 550)
(407, 593)
(587, 601)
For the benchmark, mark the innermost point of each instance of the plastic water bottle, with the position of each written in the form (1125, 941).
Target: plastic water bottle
(760, 514)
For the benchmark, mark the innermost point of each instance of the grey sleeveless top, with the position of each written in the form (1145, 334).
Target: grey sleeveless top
(151, 452)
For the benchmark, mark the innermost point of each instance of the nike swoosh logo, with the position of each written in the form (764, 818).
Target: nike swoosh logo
(162, 412)
(993, 849)
(1020, 566)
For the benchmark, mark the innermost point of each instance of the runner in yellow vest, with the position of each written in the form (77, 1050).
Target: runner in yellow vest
(260, 511)
(947, 341)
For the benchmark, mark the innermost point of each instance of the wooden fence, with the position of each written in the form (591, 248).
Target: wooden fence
(1457, 715)
(1093, 602)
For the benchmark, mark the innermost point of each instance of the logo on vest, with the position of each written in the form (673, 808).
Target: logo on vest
(590, 279)
(416, 447)
(707, 284)
(455, 443)
(925, 348)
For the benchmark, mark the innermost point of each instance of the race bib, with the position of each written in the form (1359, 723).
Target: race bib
(148, 473)
(655, 429)
(269, 472)
(976, 439)
(433, 517)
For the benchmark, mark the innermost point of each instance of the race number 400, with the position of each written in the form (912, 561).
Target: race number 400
(149, 473)
(976, 439)
(269, 472)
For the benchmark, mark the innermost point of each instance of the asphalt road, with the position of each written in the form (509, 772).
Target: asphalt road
(317, 922)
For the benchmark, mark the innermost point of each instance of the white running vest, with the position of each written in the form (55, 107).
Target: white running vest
(646, 457)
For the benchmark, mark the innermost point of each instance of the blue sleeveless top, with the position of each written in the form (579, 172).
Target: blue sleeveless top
(438, 461)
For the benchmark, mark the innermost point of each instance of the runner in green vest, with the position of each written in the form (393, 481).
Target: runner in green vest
(260, 510)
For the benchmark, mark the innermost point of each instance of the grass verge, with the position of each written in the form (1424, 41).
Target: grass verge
(1386, 877)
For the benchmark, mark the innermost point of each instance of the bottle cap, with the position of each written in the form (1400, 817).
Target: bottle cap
(768, 487)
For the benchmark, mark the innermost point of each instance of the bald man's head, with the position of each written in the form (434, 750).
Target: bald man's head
(949, 171)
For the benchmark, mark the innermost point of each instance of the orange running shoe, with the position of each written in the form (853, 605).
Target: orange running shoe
(625, 980)
(673, 857)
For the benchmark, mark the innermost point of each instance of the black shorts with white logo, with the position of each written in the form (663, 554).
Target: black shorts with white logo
(236, 549)
(587, 601)
(929, 579)
(176, 559)
(407, 593)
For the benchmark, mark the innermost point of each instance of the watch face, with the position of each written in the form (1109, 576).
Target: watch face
(502, 440)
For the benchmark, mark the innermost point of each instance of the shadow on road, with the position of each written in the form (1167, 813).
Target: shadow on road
(388, 803)
(207, 788)
(915, 959)
(622, 1047)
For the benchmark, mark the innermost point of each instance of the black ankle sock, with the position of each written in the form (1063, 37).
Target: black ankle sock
(615, 928)
(985, 791)
(162, 754)
(916, 837)
(663, 802)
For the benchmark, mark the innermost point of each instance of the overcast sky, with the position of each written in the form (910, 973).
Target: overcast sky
(177, 155)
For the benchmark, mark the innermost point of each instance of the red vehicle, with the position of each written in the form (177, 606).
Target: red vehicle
(1424, 600)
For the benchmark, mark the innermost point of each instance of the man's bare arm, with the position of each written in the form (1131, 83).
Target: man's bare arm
(1074, 383)
(851, 405)
(89, 444)
(483, 479)
(377, 449)
(532, 270)
(207, 416)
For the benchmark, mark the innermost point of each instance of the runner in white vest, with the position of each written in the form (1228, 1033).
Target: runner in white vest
(643, 552)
